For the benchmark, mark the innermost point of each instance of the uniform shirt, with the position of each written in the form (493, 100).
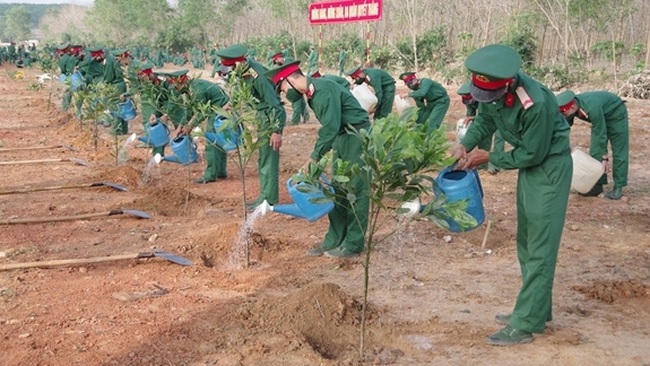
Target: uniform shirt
(428, 93)
(113, 74)
(313, 57)
(597, 107)
(204, 91)
(335, 108)
(378, 79)
(92, 70)
(470, 109)
(337, 79)
(534, 133)
(268, 101)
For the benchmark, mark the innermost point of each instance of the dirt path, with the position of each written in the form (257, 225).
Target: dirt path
(432, 301)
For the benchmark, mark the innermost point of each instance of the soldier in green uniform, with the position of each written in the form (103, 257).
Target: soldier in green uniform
(285, 52)
(607, 114)
(341, 61)
(113, 75)
(298, 106)
(92, 67)
(269, 110)
(470, 113)
(430, 97)
(205, 92)
(337, 79)
(526, 114)
(269, 56)
(382, 83)
(149, 87)
(67, 64)
(312, 60)
(337, 110)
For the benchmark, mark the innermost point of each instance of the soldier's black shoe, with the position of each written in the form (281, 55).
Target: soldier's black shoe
(509, 336)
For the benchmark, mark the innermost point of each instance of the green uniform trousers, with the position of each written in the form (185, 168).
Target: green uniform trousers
(268, 166)
(542, 196)
(300, 111)
(385, 105)
(618, 134)
(215, 157)
(433, 114)
(348, 221)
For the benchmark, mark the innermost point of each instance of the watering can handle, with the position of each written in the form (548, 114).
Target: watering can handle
(323, 177)
(478, 182)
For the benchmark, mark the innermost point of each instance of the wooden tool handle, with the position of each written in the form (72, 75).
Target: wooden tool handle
(37, 220)
(32, 161)
(63, 262)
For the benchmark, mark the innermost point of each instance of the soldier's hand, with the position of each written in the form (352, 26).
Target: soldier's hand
(473, 159)
(275, 141)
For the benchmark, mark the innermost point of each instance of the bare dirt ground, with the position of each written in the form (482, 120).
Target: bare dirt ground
(432, 302)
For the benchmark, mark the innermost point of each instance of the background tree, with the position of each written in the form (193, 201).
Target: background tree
(17, 24)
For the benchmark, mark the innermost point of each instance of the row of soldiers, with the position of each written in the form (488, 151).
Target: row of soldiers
(531, 118)
(19, 55)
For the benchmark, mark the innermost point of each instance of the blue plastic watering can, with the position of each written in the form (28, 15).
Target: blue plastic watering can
(461, 185)
(76, 81)
(157, 134)
(304, 205)
(456, 185)
(184, 151)
(127, 110)
(227, 138)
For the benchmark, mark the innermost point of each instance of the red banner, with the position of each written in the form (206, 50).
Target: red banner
(344, 11)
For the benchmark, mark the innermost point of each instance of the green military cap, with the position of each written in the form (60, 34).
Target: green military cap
(493, 68)
(173, 74)
(63, 46)
(278, 74)
(354, 72)
(564, 98)
(405, 75)
(95, 49)
(146, 65)
(235, 52)
(464, 89)
(119, 52)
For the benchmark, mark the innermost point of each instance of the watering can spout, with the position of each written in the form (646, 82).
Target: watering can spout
(291, 210)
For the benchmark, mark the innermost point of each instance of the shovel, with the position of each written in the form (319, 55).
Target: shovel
(68, 186)
(62, 262)
(10, 149)
(73, 160)
(38, 220)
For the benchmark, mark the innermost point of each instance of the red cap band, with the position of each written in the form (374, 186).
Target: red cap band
(277, 56)
(466, 97)
(483, 82)
(147, 72)
(409, 77)
(232, 61)
(316, 75)
(566, 107)
(355, 73)
(96, 53)
(282, 74)
(177, 80)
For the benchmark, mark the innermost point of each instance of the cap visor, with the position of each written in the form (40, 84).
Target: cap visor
(485, 96)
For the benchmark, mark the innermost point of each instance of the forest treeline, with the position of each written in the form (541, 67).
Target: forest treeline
(560, 40)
